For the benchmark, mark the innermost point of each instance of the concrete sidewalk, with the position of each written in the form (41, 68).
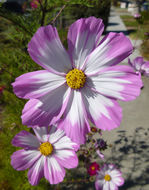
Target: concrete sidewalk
(130, 150)
(116, 25)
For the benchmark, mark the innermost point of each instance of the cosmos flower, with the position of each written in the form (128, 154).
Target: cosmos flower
(46, 154)
(80, 84)
(108, 178)
(34, 4)
(93, 168)
(137, 15)
(140, 66)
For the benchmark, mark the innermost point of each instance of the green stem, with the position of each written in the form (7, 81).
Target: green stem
(43, 8)
(134, 46)
(52, 22)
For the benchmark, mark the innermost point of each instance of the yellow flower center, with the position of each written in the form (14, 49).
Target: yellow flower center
(107, 177)
(46, 148)
(93, 167)
(75, 78)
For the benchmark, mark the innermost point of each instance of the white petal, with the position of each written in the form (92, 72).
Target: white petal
(36, 84)
(36, 172)
(83, 36)
(41, 133)
(53, 172)
(74, 120)
(46, 49)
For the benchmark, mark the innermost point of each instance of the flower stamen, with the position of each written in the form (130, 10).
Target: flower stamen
(93, 168)
(46, 148)
(75, 79)
(107, 177)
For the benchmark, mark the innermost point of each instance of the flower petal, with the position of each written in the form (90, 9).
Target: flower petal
(114, 172)
(119, 82)
(105, 168)
(99, 184)
(25, 139)
(145, 68)
(60, 141)
(137, 63)
(119, 181)
(41, 133)
(36, 172)
(36, 84)
(55, 134)
(46, 49)
(66, 158)
(112, 50)
(83, 36)
(106, 186)
(104, 113)
(24, 159)
(64, 143)
(74, 121)
(53, 172)
(100, 154)
(48, 109)
(112, 185)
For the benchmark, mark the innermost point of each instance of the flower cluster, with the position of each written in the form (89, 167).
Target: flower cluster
(77, 87)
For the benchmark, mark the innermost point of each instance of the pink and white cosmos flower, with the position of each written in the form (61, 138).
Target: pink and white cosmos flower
(80, 84)
(137, 15)
(108, 178)
(46, 154)
(140, 66)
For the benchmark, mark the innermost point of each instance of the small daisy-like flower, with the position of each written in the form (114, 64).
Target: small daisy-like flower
(108, 178)
(80, 84)
(46, 154)
(140, 66)
(93, 168)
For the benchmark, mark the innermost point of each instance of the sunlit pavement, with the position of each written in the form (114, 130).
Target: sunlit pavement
(130, 150)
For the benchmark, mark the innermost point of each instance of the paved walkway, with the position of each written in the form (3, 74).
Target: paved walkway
(130, 150)
(116, 25)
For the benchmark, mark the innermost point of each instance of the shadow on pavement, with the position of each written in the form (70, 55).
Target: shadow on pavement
(124, 31)
(128, 32)
(131, 155)
(113, 24)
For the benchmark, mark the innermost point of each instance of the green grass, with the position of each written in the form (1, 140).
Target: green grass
(129, 21)
(127, 17)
